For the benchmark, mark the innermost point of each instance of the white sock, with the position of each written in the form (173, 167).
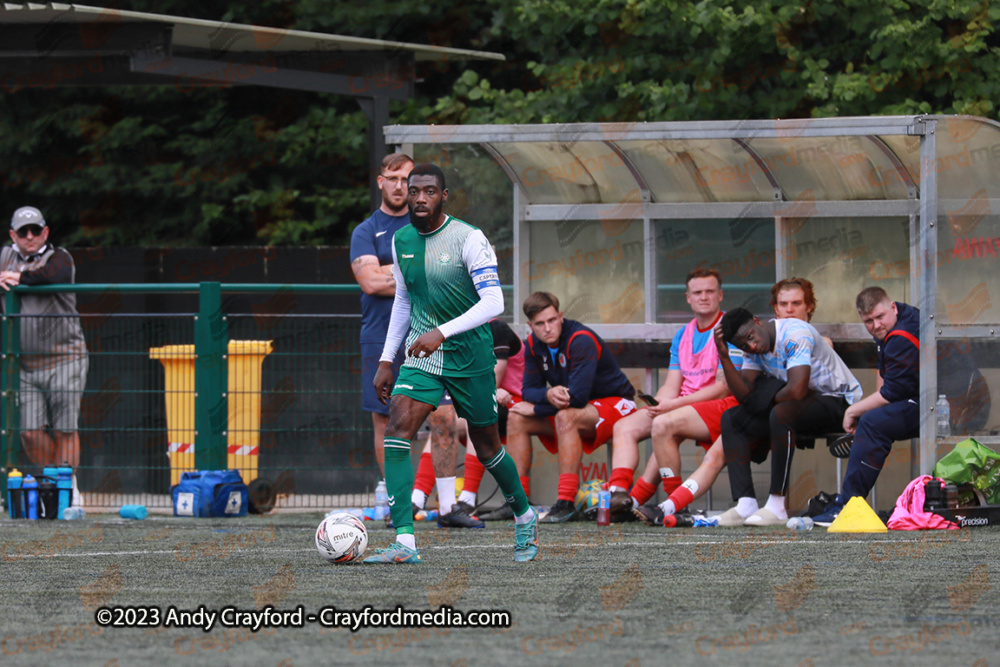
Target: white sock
(692, 486)
(777, 505)
(407, 540)
(446, 494)
(668, 507)
(747, 506)
(616, 489)
(419, 498)
(524, 518)
(77, 498)
(667, 472)
(467, 497)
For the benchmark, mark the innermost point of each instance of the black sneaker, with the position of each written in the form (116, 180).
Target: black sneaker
(651, 515)
(621, 507)
(832, 511)
(561, 512)
(458, 518)
(467, 508)
(502, 513)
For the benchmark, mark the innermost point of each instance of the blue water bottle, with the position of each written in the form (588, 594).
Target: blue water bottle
(30, 487)
(64, 482)
(15, 494)
(133, 512)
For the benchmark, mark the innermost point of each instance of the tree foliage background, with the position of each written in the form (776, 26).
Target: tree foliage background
(238, 166)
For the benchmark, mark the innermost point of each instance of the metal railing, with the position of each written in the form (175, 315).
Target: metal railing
(260, 387)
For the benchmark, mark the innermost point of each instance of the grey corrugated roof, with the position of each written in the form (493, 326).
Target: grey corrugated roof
(199, 34)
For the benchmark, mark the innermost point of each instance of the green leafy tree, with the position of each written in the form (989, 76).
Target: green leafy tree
(246, 165)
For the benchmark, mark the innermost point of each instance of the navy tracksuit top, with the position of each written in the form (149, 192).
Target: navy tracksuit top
(583, 364)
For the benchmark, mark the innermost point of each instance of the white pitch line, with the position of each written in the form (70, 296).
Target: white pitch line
(753, 544)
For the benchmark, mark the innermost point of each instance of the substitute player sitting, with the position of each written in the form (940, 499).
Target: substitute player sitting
(447, 290)
(574, 393)
(694, 377)
(790, 298)
(818, 388)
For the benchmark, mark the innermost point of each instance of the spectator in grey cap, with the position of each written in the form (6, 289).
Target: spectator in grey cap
(53, 359)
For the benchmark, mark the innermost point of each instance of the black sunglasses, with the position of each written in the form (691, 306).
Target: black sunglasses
(34, 229)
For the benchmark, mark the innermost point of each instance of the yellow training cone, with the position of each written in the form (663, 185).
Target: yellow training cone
(857, 517)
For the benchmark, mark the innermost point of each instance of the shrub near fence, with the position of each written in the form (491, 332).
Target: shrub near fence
(285, 407)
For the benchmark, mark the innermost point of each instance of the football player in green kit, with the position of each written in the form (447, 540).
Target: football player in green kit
(447, 291)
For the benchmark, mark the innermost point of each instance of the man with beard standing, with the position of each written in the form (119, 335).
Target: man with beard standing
(447, 291)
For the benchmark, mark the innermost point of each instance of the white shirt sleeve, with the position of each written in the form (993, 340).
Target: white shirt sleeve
(399, 320)
(478, 255)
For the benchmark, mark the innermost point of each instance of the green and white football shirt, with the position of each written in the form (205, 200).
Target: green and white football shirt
(441, 274)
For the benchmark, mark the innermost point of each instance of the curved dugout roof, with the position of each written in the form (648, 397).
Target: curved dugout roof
(863, 159)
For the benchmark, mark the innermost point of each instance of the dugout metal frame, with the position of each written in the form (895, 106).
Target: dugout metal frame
(920, 202)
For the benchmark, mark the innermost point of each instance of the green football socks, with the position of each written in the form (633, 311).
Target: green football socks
(504, 471)
(399, 483)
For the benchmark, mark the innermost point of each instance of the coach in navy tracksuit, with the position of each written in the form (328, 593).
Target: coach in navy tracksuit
(574, 392)
(891, 413)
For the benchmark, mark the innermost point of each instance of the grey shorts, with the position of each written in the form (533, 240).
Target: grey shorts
(50, 397)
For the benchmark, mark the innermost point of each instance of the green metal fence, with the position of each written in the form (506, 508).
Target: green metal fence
(242, 375)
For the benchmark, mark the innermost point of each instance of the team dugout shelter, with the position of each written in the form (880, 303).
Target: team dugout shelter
(611, 217)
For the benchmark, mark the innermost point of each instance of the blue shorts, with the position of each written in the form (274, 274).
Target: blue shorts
(370, 354)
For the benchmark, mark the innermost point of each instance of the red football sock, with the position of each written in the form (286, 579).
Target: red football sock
(473, 474)
(424, 480)
(671, 483)
(568, 486)
(526, 483)
(643, 491)
(681, 498)
(621, 477)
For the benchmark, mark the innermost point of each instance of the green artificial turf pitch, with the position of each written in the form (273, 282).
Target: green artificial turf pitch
(618, 595)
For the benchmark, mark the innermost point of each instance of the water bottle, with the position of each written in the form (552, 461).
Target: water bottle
(30, 487)
(381, 501)
(943, 417)
(138, 512)
(678, 521)
(48, 497)
(15, 494)
(74, 513)
(64, 482)
(603, 508)
(800, 523)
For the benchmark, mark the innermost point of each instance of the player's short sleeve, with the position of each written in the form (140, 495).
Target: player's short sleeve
(481, 260)
(735, 356)
(362, 241)
(751, 362)
(798, 346)
(675, 351)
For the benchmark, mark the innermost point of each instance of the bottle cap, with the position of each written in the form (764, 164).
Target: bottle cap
(14, 472)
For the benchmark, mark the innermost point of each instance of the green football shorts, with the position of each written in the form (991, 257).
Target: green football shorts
(475, 397)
